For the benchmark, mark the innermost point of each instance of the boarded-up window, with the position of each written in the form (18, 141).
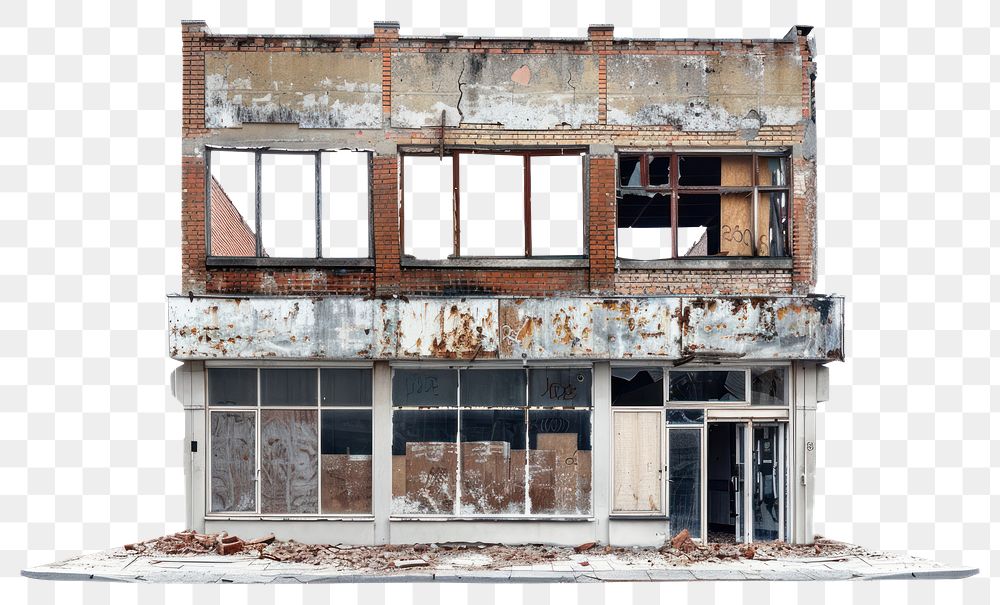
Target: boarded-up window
(289, 450)
(346, 461)
(471, 442)
(233, 461)
(638, 454)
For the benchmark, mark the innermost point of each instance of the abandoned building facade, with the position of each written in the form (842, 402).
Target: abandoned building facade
(520, 290)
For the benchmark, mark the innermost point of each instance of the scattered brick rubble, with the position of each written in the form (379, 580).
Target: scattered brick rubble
(680, 550)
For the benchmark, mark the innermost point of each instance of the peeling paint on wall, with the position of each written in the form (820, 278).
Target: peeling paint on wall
(705, 93)
(515, 91)
(324, 90)
(506, 328)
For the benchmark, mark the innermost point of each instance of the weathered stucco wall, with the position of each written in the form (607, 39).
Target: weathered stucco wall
(506, 328)
(705, 92)
(516, 91)
(319, 90)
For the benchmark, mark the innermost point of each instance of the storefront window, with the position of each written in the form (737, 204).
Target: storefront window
(492, 441)
(305, 462)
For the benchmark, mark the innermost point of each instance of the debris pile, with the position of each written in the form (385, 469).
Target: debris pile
(682, 549)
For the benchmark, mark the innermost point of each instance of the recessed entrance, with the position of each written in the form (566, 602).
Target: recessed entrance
(745, 481)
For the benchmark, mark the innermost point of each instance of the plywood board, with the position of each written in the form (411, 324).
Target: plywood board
(763, 222)
(398, 476)
(347, 483)
(431, 472)
(583, 481)
(517, 466)
(541, 481)
(233, 461)
(486, 479)
(637, 462)
(736, 211)
(289, 469)
(563, 445)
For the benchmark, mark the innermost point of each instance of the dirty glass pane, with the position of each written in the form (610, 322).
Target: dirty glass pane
(234, 461)
(559, 386)
(767, 386)
(699, 171)
(288, 205)
(233, 203)
(232, 386)
(557, 205)
(685, 416)
(708, 385)
(346, 461)
(289, 464)
(629, 171)
(344, 213)
(424, 387)
(773, 221)
(636, 386)
(644, 231)
(772, 172)
(288, 386)
(493, 460)
(493, 387)
(427, 207)
(424, 461)
(491, 205)
(684, 447)
(766, 483)
(659, 171)
(559, 462)
(345, 386)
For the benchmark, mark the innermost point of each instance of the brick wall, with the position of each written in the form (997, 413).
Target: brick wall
(387, 276)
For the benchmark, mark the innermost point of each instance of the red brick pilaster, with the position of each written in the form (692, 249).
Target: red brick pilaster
(193, 273)
(602, 224)
(601, 37)
(385, 189)
(386, 37)
(193, 116)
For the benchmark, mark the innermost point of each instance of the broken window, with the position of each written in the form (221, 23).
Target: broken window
(708, 209)
(491, 444)
(684, 455)
(427, 208)
(510, 204)
(295, 470)
(636, 386)
(767, 386)
(288, 204)
(707, 385)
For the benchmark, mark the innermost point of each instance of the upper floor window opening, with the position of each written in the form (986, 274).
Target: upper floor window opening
(287, 204)
(674, 205)
(471, 203)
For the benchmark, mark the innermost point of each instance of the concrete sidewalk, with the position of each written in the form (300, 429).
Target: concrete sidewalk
(118, 565)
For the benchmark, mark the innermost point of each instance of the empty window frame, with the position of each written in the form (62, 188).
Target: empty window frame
(290, 441)
(700, 205)
(491, 441)
(505, 204)
(287, 204)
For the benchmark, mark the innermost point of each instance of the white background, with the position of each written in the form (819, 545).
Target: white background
(91, 446)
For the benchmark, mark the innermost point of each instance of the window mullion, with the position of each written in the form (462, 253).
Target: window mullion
(674, 202)
(319, 205)
(455, 204)
(527, 205)
(257, 201)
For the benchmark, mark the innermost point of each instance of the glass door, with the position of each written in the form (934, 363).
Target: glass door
(767, 502)
(738, 480)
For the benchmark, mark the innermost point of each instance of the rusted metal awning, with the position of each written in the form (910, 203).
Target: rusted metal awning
(666, 327)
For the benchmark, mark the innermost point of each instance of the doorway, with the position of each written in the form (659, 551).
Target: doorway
(745, 481)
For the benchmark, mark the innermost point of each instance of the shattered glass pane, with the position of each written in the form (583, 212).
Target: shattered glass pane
(629, 171)
(685, 416)
(659, 171)
(708, 385)
(636, 386)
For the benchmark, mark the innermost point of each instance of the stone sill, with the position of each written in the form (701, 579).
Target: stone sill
(723, 263)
